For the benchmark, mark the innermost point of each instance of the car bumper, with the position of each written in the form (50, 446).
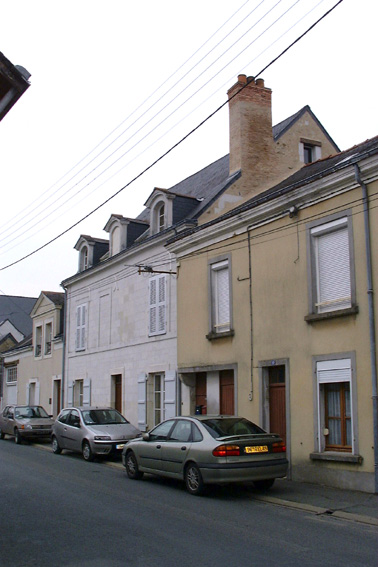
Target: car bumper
(106, 447)
(35, 433)
(224, 473)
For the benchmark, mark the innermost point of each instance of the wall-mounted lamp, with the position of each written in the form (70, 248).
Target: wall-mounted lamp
(293, 211)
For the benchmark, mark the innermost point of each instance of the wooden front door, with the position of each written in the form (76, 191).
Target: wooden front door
(118, 392)
(226, 392)
(277, 401)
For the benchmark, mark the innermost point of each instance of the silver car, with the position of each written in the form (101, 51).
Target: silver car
(91, 431)
(208, 449)
(25, 422)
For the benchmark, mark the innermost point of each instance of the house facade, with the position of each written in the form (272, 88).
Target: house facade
(33, 368)
(121, 328)
(281, 328)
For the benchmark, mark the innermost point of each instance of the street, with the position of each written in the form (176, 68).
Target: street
(58, 510)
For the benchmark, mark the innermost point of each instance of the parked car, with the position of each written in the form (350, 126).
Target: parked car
(207, 449)
(25, 422)
(91, 431)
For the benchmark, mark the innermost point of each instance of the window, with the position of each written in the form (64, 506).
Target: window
(38, 341)
(161, 218)
(48, 335)
(12, 374)
(309, 151)
(331, 265)
(78, 393)
(158, 398)
(157, 305)
(81, 315)
(334, 385)
(220, 298)
(160, 433)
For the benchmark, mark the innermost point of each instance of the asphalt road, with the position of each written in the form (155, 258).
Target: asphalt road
(60, 511)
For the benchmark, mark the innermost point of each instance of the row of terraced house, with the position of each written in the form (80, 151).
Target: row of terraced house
(247, 288)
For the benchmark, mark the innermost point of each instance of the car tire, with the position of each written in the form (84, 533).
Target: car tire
(264, 484)
(132, 468)
(2, 434)
(193, 480)
(55, 446)
(17, 436)
(87, 452)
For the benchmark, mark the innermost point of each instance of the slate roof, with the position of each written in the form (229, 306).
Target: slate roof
(56, 297)
(307, 174)
(17, 309)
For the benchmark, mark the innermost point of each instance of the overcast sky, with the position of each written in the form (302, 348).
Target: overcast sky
(115, 84)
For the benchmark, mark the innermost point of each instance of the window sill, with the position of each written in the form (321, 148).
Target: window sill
(211, 336)
(312, 317)
(337, 457)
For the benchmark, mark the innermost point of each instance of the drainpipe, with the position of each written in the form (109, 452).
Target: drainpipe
(370, 292)
(64, 345)
(250, 308)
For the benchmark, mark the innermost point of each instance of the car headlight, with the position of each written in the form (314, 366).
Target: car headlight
(102, 438)
(28, 426)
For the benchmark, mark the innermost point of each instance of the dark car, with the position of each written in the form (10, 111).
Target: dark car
(25, 422)
(91, 431)
(208, 449)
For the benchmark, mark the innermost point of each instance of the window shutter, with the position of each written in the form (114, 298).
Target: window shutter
(87, 392)
(142, 397)
(157, 305)
(169, 394)
(333, 273)
(334, 371)
(70, 394)
(37, 390)
(80, 326)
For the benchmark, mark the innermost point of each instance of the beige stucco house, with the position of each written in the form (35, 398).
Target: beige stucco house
(33, 368)
(276, 320)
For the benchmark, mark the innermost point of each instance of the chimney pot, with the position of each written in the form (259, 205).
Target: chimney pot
(260, 83)
(242, 79)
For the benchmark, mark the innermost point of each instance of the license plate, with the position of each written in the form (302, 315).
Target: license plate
(257, 449)
(120, 446)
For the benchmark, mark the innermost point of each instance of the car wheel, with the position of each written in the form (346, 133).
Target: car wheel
(193, 480)
(55, 446)
(2, 434)
(264, 484)
(132, 468)
(17, 436)
(87, 452)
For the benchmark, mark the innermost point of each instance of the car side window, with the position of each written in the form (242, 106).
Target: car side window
(74, 419)
(63, 416)
(5, 412)
(160, 433)
(197, 435)
(10, 413)
(182, 431)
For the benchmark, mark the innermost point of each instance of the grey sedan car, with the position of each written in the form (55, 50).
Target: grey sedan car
(208, 449)
(91, 431)
(25, 422)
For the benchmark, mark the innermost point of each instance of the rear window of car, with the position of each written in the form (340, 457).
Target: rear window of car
(224, 427)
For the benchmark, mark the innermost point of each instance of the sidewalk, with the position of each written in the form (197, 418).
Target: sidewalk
(319, 499)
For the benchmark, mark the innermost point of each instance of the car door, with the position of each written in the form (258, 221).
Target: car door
(7, 424)
(150, 450)
(73, 431)
(175, 448)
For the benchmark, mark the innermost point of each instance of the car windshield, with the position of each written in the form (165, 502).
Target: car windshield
(224, 427)
(30, 412)
(102, 417)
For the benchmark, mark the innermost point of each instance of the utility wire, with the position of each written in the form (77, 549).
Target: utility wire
(162, 156)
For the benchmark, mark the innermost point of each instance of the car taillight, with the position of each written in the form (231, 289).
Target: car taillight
(279, 447)
(227, 451)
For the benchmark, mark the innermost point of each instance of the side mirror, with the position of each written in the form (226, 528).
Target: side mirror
(146, 436)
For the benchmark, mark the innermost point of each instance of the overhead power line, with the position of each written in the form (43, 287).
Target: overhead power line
(173, 147)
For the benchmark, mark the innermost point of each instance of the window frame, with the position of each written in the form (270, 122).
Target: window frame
(13, 380)
(47, 339)
(219, 328)
(38, 341)
(331, 369)
(331, 223)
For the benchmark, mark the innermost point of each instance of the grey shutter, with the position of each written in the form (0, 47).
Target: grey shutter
(87, 392)
(169, 394)
(142, 399)
(152, 306)
(70, 393)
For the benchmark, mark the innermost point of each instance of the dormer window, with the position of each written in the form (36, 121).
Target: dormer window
(161, 217)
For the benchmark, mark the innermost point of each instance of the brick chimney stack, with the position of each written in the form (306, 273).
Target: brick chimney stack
(252, 149)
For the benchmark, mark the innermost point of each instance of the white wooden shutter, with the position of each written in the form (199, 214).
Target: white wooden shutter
(169, 394)
(142, 399)
(70, 393)
(36, 393)
(157, 305)
(87, 392)
(27, 394)
(333, 270)
(81, 317)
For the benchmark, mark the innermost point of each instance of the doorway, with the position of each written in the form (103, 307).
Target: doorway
(201, 392)
(277, 400)
(226, 392)
(118, 392)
